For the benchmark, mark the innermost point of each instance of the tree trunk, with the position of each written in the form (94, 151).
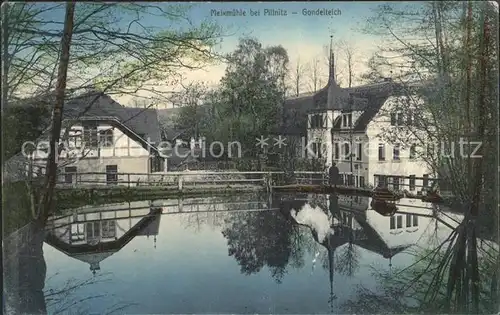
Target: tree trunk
(481, 124)
(51, 168)
(5, 53)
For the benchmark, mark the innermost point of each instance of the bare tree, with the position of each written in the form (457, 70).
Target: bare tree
(348, 51)
(50, 180)
(297, 76)
(314, 73)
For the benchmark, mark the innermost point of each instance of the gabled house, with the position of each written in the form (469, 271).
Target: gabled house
(105, 137)
(344, 126)
(93, 236)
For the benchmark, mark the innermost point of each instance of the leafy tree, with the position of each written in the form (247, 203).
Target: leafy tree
(459, 275)
(258, 239)
(444, 56)
(112, 49)
(251, 94)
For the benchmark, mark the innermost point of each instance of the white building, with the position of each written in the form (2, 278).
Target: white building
(93, 236)
(105, 138)
(355, 221)
(344, 125)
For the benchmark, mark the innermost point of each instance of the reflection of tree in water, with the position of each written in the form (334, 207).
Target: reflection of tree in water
(215, 210)
(258, 239)
(69, 298)
(458, 276)
(347, 259)
(25, 280)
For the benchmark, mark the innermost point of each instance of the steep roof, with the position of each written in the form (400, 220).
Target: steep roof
(375, 95)
(142, 121)
(368, 98)
(93, 254)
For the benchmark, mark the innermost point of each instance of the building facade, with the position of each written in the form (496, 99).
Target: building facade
(346, 125)
(98, 135)
(106, 147)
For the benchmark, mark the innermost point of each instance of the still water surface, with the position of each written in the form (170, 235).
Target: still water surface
(300, 254)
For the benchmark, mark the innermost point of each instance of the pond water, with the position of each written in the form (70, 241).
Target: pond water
(246, 254)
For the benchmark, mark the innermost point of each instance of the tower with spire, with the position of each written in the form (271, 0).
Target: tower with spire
(328, 104)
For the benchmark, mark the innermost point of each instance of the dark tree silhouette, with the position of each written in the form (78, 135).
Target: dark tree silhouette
(258, 239)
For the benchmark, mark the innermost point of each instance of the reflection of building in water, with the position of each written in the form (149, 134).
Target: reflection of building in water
(354, 221)
(92, 236)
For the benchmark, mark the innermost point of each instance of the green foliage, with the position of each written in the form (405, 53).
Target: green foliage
(426, 44)
(251, 93)
(261, 239)
(22, 124)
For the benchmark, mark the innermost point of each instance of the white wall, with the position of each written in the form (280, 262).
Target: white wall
(323, 134)
(127, 154)
(402, 167)
(404, 236)
(124, 165)
(360, 168)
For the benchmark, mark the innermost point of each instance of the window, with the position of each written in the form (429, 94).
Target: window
(69, 172)
(400, 119)
(399, 221)
(393, 119)
(106, 138)
(395, 183)
(425, 180)
(397, 119)
(360, 152)
(393, 223)
(380, 181)
(108, 229)
(411, 220)
(75, 138)
(347, 120)
(93, 230)
(156, 164)
(381, 152)
(412, 182)
(396, 152)
(350, 178)
(413, 151)
(361, 181)
(90, 136)
(317, 121)
(409, 119)
(337, 151)
(346, 150)
(111, 174)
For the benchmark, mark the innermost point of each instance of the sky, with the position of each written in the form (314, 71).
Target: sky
(305, 37)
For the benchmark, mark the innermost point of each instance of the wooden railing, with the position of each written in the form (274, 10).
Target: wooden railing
(194, 178)
(426, 183)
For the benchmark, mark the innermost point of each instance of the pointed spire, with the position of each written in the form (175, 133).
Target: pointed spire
(331, 75)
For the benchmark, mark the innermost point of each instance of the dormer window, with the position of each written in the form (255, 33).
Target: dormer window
(397, 119)
(317, 121)
(347, 120)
